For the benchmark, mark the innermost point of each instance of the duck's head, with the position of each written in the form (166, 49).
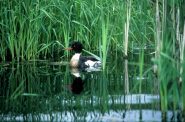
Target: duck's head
(76, 46)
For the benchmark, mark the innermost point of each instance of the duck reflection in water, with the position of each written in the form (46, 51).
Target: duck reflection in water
(80, 77)
(77, 85)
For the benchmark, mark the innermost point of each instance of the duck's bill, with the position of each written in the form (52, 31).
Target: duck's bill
(69, 48)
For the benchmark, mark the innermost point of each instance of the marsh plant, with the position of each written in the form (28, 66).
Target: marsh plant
(40, 29)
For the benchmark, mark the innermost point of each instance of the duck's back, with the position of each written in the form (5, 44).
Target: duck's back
(89, 61)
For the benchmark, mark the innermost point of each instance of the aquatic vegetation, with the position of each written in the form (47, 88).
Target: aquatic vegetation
(34, 30)
(170, 67)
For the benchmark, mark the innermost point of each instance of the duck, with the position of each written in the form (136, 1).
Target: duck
(80, 61)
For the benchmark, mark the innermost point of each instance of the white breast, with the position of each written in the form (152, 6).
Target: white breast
(75, 59)
(76, 56)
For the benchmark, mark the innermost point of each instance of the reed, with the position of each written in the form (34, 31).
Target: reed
(157, 35)
(170, 57)
(126, 26)
(30, 27)
(182, 70)
(105, 41)
(40, 29)
(183, 90)
(141, 67)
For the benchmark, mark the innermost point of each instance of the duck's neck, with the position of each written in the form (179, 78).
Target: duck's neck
(76, 57)
(75, 60)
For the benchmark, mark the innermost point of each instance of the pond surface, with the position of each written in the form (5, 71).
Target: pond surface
(49, 91)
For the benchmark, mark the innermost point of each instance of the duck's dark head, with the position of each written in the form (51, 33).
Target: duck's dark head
(76, 46)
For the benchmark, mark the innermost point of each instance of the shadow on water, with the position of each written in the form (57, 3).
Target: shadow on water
(41, 91)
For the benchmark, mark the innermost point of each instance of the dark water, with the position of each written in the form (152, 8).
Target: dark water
(45, 91)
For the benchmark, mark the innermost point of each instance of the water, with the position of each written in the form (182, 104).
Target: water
(47, 91)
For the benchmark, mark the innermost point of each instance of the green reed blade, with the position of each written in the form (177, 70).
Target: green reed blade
(98, 58)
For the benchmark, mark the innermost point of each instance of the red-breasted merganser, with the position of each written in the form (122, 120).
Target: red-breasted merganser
(79, 61)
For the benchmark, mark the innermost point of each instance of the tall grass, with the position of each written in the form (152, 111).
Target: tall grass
(170, 52)
(126, 26)
(40, 29)
(157, 35)
(105, 42)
